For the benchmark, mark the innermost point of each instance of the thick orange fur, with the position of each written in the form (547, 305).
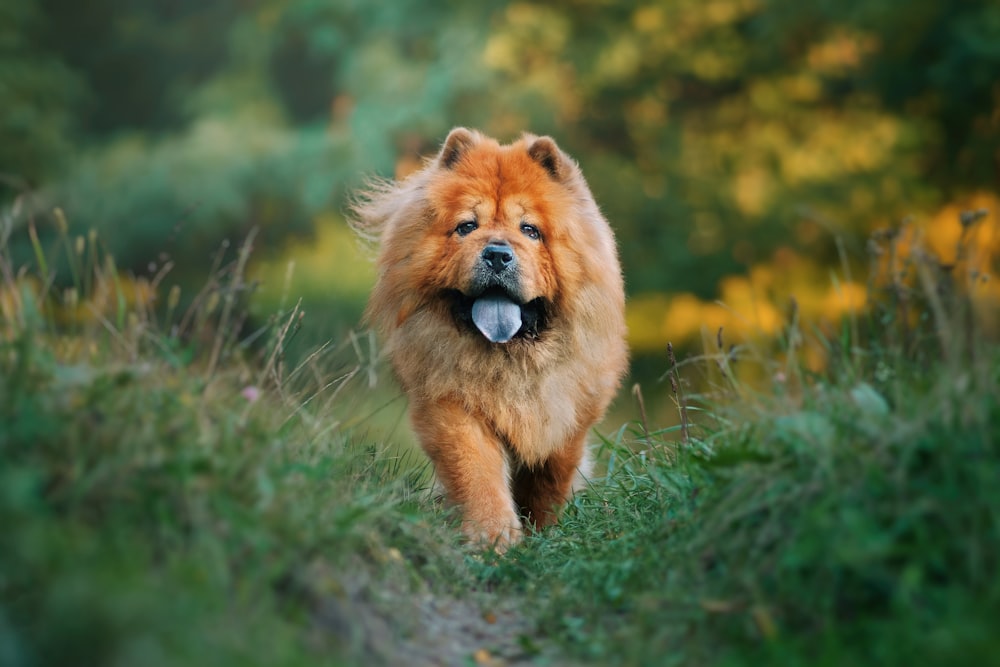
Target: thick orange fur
(504, 423)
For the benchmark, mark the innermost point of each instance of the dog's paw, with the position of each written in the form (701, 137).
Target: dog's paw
(500, 533)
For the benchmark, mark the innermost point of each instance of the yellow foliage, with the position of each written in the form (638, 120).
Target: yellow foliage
(753, 188)
(752, 306)
(751, 312)
(844, 299)
(533, 35)
(805, 87)
(529, 44)
(644, 317)
(648, 19)
(755, 305)
(838, 146)
(619, 61)
(943, 232)
(843, 50)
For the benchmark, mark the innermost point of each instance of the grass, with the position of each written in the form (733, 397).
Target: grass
(172, 492)
(167, 497)
(843, 533)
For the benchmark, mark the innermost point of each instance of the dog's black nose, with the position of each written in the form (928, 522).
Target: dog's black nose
(498, 256)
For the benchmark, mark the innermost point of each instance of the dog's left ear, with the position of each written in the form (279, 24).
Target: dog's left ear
(544, 151)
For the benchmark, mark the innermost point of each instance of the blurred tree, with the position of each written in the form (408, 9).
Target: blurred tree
(730, 127)
(140, 61)
(40, 95)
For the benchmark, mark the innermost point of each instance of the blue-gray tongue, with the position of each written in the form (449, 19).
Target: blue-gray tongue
(497, 317)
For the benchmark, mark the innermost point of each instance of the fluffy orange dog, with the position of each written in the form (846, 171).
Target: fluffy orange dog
(500, 297)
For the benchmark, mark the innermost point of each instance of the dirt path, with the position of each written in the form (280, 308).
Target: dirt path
(387, 623)
(459, 632)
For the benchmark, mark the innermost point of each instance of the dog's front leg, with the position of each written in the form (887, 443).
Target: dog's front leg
(471, 462)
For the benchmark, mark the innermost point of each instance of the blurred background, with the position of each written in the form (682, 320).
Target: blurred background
(744, 150)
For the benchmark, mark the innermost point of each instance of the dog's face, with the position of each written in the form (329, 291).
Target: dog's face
(495, 215)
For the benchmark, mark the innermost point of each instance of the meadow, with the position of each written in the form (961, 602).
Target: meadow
(174, 489)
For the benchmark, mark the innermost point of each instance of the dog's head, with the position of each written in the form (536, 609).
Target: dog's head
(497, 213)
(503, 240)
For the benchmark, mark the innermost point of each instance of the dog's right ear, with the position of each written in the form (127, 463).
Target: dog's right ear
(458, 142)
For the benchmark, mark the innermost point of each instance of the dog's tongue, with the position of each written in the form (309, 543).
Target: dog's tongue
(497, 317)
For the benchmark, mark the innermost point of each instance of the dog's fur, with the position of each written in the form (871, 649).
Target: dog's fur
(505, 424)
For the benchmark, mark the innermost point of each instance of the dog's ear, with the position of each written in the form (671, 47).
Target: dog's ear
(544, 151)
(458, 142)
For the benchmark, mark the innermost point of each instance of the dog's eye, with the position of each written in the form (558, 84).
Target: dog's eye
(530, 231)
(467, 228)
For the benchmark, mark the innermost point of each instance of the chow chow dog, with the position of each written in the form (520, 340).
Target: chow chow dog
(501, 302)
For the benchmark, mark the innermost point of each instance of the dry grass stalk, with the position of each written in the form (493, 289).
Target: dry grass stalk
(678, 392)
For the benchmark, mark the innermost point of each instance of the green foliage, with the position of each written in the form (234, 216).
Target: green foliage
(232, 176)
(39, 93)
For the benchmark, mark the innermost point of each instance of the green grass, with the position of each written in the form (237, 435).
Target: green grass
(154, 517)
(841, 533)
(172, 493)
